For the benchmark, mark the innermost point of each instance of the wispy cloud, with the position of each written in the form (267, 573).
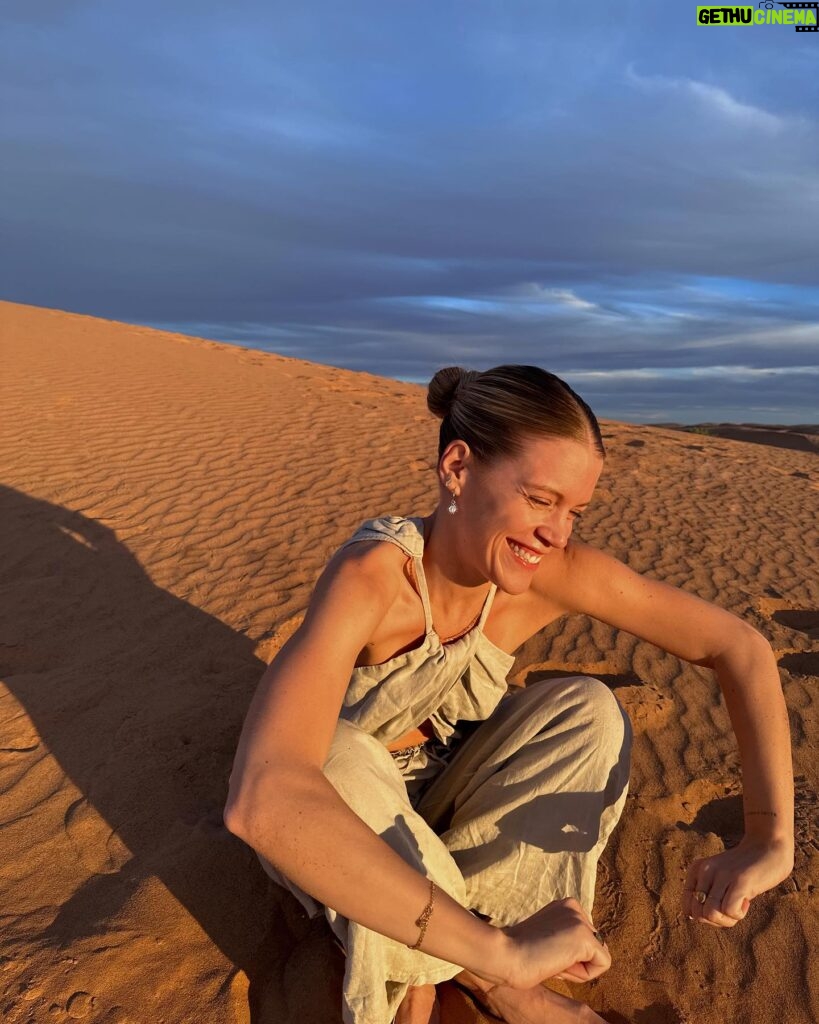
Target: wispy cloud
(712, 99)
(532, 293)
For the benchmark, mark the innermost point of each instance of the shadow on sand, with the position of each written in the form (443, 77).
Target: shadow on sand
(140, 697)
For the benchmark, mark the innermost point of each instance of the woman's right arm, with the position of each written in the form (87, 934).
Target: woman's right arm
(281, 804)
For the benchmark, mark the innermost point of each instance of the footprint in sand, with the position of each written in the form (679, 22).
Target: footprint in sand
(98, 848)
(805, 620)
(801, 620)
(79, 1005)
(800, 663)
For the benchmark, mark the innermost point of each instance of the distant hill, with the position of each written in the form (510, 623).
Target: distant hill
(799, 438)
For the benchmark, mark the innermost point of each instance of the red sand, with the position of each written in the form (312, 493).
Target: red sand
(168, 503)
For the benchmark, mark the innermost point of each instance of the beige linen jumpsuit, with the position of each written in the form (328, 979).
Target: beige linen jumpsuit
(507, 807)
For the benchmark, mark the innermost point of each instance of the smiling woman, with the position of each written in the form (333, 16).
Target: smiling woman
(447, 826)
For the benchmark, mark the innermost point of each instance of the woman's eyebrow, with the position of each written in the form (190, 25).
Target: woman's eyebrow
(550, 490)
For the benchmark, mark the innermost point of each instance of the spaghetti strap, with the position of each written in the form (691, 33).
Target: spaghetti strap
(418, 566)
(423, 592)
(487, 605)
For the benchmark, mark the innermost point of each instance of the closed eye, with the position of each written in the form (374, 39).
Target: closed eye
(575, 514)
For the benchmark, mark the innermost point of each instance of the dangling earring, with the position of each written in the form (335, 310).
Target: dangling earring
(452, 508)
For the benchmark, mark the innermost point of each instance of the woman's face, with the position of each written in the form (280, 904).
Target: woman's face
(518, 512)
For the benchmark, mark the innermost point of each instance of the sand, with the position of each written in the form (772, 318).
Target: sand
(167, 504)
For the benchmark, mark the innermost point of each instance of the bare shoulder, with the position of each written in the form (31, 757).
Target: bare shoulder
(379, 560)
(583, 574)
(367, 573)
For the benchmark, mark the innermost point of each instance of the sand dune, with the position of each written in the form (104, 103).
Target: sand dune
(167, 504)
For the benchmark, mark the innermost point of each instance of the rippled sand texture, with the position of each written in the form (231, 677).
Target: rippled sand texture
(167, 505)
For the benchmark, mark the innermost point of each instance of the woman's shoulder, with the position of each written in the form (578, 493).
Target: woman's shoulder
(365, 550)
(402, 532)
(368, 571)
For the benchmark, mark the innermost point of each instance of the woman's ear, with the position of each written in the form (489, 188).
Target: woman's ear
(453, 462)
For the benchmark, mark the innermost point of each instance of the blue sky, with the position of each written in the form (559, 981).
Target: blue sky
(606, 190)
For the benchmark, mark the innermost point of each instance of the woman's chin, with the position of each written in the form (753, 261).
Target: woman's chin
(513, 585)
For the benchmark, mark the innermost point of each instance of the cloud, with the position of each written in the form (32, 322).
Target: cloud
(712, 99)
(532, 293)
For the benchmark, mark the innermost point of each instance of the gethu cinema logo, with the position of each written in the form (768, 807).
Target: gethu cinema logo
(803, 16)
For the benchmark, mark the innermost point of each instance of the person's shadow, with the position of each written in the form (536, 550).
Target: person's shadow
(139, 697)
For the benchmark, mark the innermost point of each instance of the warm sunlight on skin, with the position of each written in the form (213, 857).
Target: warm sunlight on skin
(531, 501)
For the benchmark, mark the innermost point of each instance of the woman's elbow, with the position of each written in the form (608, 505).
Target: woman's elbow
(241, 806)
(258, 797)
(743, 644)
(234, 814)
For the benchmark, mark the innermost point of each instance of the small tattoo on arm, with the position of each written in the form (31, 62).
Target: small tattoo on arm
(772, 814)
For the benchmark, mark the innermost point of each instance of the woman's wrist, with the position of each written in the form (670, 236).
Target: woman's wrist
(494, 954)
(782, 844)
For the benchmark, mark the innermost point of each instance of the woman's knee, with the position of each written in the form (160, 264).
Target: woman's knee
(587, 703)
(610, 720)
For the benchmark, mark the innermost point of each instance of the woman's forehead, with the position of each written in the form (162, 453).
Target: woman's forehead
(555, 454)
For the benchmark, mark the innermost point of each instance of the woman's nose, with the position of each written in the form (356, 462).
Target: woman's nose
(557, 531)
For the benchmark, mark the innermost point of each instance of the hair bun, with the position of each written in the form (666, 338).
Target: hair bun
(444, 386)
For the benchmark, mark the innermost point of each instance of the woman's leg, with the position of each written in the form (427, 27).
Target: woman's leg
(379, 970)
(528, 801)
(526, 806)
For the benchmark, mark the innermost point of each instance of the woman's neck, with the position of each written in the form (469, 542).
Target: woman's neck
(450, 585)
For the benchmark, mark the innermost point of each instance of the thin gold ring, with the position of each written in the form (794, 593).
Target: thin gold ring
(700, 896)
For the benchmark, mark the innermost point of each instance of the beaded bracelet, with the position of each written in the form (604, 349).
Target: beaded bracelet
(425, 915)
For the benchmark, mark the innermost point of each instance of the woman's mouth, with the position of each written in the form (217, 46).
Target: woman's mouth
(524, 556)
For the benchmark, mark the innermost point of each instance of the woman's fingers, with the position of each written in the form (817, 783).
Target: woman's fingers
(557, 942)
(718, 903)
(718, 890)
(697, 879)
(735, 902)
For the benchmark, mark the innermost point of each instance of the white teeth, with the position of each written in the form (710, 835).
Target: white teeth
(527, 556)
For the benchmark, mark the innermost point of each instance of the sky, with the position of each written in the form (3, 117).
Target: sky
(607, 190)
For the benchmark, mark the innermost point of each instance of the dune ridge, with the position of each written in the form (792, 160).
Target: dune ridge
(168, 503)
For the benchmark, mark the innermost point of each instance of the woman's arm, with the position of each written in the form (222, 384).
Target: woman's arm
(745, 667)
(283, 806)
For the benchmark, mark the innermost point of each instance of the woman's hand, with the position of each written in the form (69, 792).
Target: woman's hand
(557, 941)
(732, 879)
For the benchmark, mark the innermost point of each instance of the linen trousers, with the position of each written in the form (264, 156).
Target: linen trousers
(513, 816)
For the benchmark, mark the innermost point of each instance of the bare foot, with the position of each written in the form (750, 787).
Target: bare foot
(419, 1006)
(536, 1005)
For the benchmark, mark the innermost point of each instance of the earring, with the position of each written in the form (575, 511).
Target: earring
(452, 508)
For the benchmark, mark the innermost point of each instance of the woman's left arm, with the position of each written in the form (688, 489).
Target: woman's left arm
(599, 585)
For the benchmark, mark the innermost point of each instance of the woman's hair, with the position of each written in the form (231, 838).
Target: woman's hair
(495, 411)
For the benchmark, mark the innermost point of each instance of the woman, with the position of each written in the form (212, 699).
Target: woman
(449, 828)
